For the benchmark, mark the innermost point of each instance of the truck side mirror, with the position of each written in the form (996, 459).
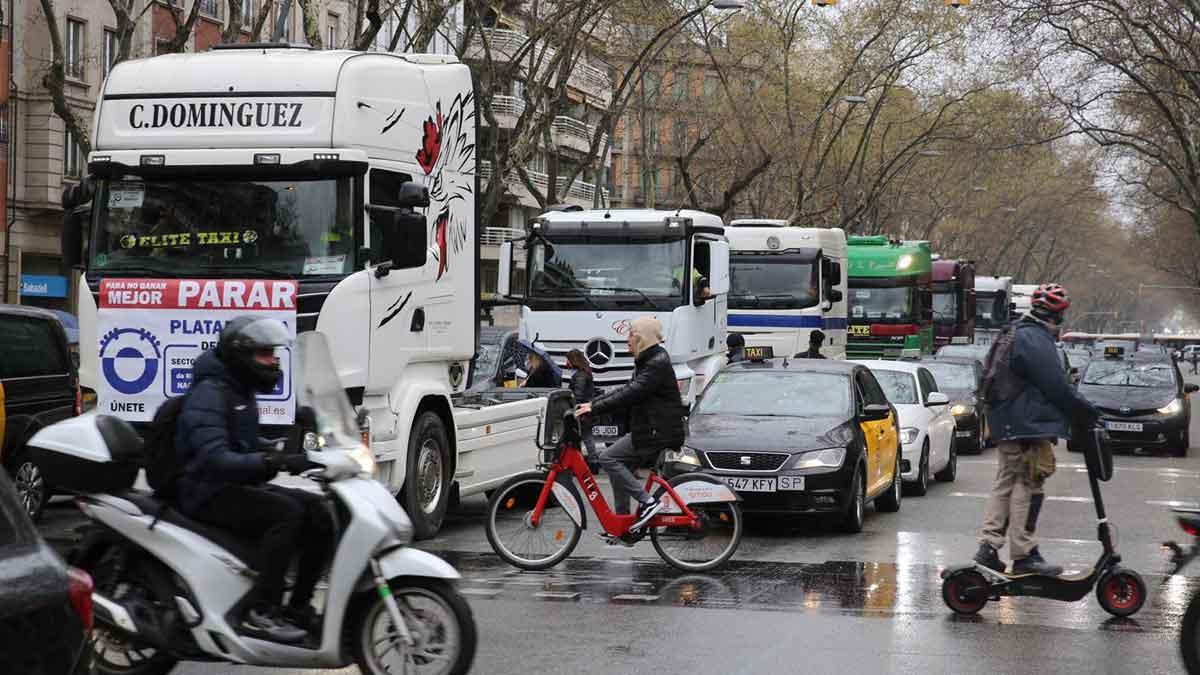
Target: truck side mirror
(412, 196)
(718, 267)
(504, 275)
(834, 295)
(402, 238)
(72, 238)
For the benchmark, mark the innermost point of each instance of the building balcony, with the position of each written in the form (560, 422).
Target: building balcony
(507, 109)
(570, 133)
(506, 45)
(492, 237)
(579, 193)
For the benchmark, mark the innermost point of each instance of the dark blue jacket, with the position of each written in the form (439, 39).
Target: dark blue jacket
(1047, 404)
(217, 450)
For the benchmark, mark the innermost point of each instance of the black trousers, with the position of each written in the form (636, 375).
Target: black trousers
(283, 520)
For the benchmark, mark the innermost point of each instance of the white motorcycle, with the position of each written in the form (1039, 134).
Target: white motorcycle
(168, 588)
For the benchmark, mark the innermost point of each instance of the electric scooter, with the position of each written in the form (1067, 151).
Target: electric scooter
(1120, 591)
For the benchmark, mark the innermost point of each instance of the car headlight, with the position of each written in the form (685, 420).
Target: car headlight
(366, 461)
(908, 435)
(1173, 408)
(829, 458)
(684, 455)
(962, 410)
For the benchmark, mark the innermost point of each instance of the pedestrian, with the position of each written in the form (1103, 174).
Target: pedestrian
(735, 346)
(584, 388)
(655, 410)
(1030, 403)
(225, 473)
(540, 372)
(815, 339)
(1195, 359)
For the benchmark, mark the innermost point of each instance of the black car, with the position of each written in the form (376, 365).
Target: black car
(40, 388)
(959, 378)
(1142, 398)
(797, 436)
(45, 606)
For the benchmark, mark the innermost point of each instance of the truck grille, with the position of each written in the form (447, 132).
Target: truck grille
(619, 371)
(758, 461)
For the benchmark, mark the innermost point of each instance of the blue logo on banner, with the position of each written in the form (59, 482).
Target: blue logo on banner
(129, 358)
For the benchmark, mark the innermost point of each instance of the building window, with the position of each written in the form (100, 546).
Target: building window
(651, 82)
(72, 156)
(211, 8)
(681, 85)
(111, 47)
(680, 134)
(3, 122)
(332, 39)
(711, 84)
(162, 47)
(75, 49)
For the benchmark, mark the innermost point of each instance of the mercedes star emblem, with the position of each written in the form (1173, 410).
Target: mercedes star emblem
(599, 352)
(1126, 409)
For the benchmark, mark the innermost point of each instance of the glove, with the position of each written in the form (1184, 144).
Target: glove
(292, 463)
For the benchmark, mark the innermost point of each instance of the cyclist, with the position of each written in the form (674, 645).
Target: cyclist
(655, 412)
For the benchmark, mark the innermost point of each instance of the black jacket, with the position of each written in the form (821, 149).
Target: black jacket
(809, 353)
(583, 386)
(543, 377)
(215, 450)
(652, 402)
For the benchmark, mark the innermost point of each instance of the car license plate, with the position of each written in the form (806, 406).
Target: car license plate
(791, 482)
(963, 434)
(1123, 426)
(604, 430)
(742, 484)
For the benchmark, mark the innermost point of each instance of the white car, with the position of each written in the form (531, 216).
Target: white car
(926, 424)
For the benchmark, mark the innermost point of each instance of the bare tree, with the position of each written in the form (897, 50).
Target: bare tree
(127, 16)
(183, 25)
(55, 81)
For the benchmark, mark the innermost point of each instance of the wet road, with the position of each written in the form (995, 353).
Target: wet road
(798, 596)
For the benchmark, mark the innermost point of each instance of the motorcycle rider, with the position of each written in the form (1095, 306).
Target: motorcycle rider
(1033, 406)
(225, 474)
(655, 412)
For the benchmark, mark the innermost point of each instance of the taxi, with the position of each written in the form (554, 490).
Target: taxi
(804, 436)
(1143, 400)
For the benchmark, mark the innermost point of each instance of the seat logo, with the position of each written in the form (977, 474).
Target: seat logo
(599, 352)
(745, 459)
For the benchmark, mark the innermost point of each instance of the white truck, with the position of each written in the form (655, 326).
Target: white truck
(786, 282)
(1022, 296)
(350, 175)
(591, 273)
(993, 307)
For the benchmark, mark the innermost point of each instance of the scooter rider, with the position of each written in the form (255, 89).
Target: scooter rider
(225, 474)
(655, 411)
(1029, 405)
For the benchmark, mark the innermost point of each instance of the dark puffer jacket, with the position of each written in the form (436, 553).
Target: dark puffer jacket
(1046, 405)
(216, 450)
(652, 402)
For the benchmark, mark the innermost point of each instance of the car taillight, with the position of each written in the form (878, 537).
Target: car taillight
(81, 595)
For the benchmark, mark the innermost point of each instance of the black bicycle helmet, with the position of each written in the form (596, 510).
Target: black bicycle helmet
(241, 338)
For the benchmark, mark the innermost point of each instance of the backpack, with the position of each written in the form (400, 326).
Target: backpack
(999, 382)
(161, 458)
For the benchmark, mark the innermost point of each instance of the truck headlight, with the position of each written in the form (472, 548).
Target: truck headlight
(1173, 408)
(829, 458)
(908, 435)
(962, 410)
(684, 455)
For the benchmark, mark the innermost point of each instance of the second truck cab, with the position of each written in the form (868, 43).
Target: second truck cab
(891, 304)
(953, 301)
(993, 310)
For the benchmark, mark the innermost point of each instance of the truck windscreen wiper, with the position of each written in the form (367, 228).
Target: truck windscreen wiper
(578, 292)
(257, 269)
(645, 297)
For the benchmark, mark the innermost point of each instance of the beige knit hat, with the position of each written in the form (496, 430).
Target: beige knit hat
(647, 332)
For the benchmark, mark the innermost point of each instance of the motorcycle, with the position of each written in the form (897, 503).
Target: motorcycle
(170, 589)
(1178, 558)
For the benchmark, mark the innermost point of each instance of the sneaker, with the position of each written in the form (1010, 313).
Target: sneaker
(988, 557)
(305, 617)
(1035, 564)
(646, 512)
(624, 540)
(267, 625)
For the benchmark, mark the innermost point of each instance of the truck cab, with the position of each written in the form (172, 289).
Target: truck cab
(591, 273)
(1022, 297)
(953, 302)
(786, 282)
(346, 178)
(890, 303)
(993, 307)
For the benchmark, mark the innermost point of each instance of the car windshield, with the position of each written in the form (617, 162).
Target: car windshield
(1078, 359)
(764, 281)
(952, 376)
(899, 386)
(977, 352)
(189, 227)
(776, 394)
(945, 307)
(1129, 374)
(595, 270)
(991, 310)
(883, 303)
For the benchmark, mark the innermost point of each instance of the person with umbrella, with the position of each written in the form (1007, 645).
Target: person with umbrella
(543, 372)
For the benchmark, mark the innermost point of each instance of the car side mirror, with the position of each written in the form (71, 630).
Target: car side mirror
(1191, 388)
(937, 398)
(874, 412)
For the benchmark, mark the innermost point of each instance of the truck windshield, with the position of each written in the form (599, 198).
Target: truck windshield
(889, 304)
(991, 309)
(773, 282)
(945, 306)
(176, 227)
(593, 272)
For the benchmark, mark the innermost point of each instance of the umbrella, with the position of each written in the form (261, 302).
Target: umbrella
(529, 346)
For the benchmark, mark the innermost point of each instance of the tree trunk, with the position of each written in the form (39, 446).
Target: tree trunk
(263, 12)
(55, 81)
(310, 14)
(233, 27)
(183, 31)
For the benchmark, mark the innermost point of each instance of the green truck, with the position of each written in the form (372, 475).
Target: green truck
(891, 298)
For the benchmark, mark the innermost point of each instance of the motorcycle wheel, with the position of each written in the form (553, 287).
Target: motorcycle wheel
(1121, 592)
(438, 619)
(960, 594)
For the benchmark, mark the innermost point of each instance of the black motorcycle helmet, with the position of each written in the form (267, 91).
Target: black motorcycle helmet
(241, 339)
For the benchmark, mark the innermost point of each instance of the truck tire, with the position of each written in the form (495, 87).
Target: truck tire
(426, 492)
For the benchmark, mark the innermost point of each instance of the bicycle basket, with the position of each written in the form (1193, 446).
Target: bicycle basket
(559, 425)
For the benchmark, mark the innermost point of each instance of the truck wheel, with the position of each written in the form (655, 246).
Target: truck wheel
(426, 492)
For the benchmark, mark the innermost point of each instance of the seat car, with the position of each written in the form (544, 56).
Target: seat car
(1142, 398)
(40, 387)
(959, 378)
(801, 436)
(926, 425)
(45, 606)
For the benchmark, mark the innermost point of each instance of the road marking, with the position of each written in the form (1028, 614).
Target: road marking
(1162, 471)
(1051, 498)
(1172, 503)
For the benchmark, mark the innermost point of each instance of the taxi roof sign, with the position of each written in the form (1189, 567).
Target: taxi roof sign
(959, 340)
(1114, 352)
(758, 354)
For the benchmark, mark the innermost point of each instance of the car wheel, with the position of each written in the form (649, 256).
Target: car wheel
(1185, 442)
(30, 482)
(920, 486)
(852, 520)
(948, 474)
(889, 501)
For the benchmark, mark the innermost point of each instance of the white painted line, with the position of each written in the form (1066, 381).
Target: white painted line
(560, 597)
(635, 599)
(1172, 503)
(1049, 498)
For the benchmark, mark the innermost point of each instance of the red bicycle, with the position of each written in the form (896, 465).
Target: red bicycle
(535, 519)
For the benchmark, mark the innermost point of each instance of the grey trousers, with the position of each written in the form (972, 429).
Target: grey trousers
(617, 460)
(1016, 500)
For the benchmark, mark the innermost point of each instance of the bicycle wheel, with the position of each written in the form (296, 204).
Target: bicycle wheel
(513, 535)
(702, 548)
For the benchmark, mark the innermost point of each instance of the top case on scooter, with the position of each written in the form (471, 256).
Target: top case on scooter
(89, 453)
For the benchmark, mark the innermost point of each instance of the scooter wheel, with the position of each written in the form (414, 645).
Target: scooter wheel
(965, 592)
(1121, 592)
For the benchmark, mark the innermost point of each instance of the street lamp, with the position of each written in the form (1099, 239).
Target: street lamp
(728, 4)
(853, 100)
